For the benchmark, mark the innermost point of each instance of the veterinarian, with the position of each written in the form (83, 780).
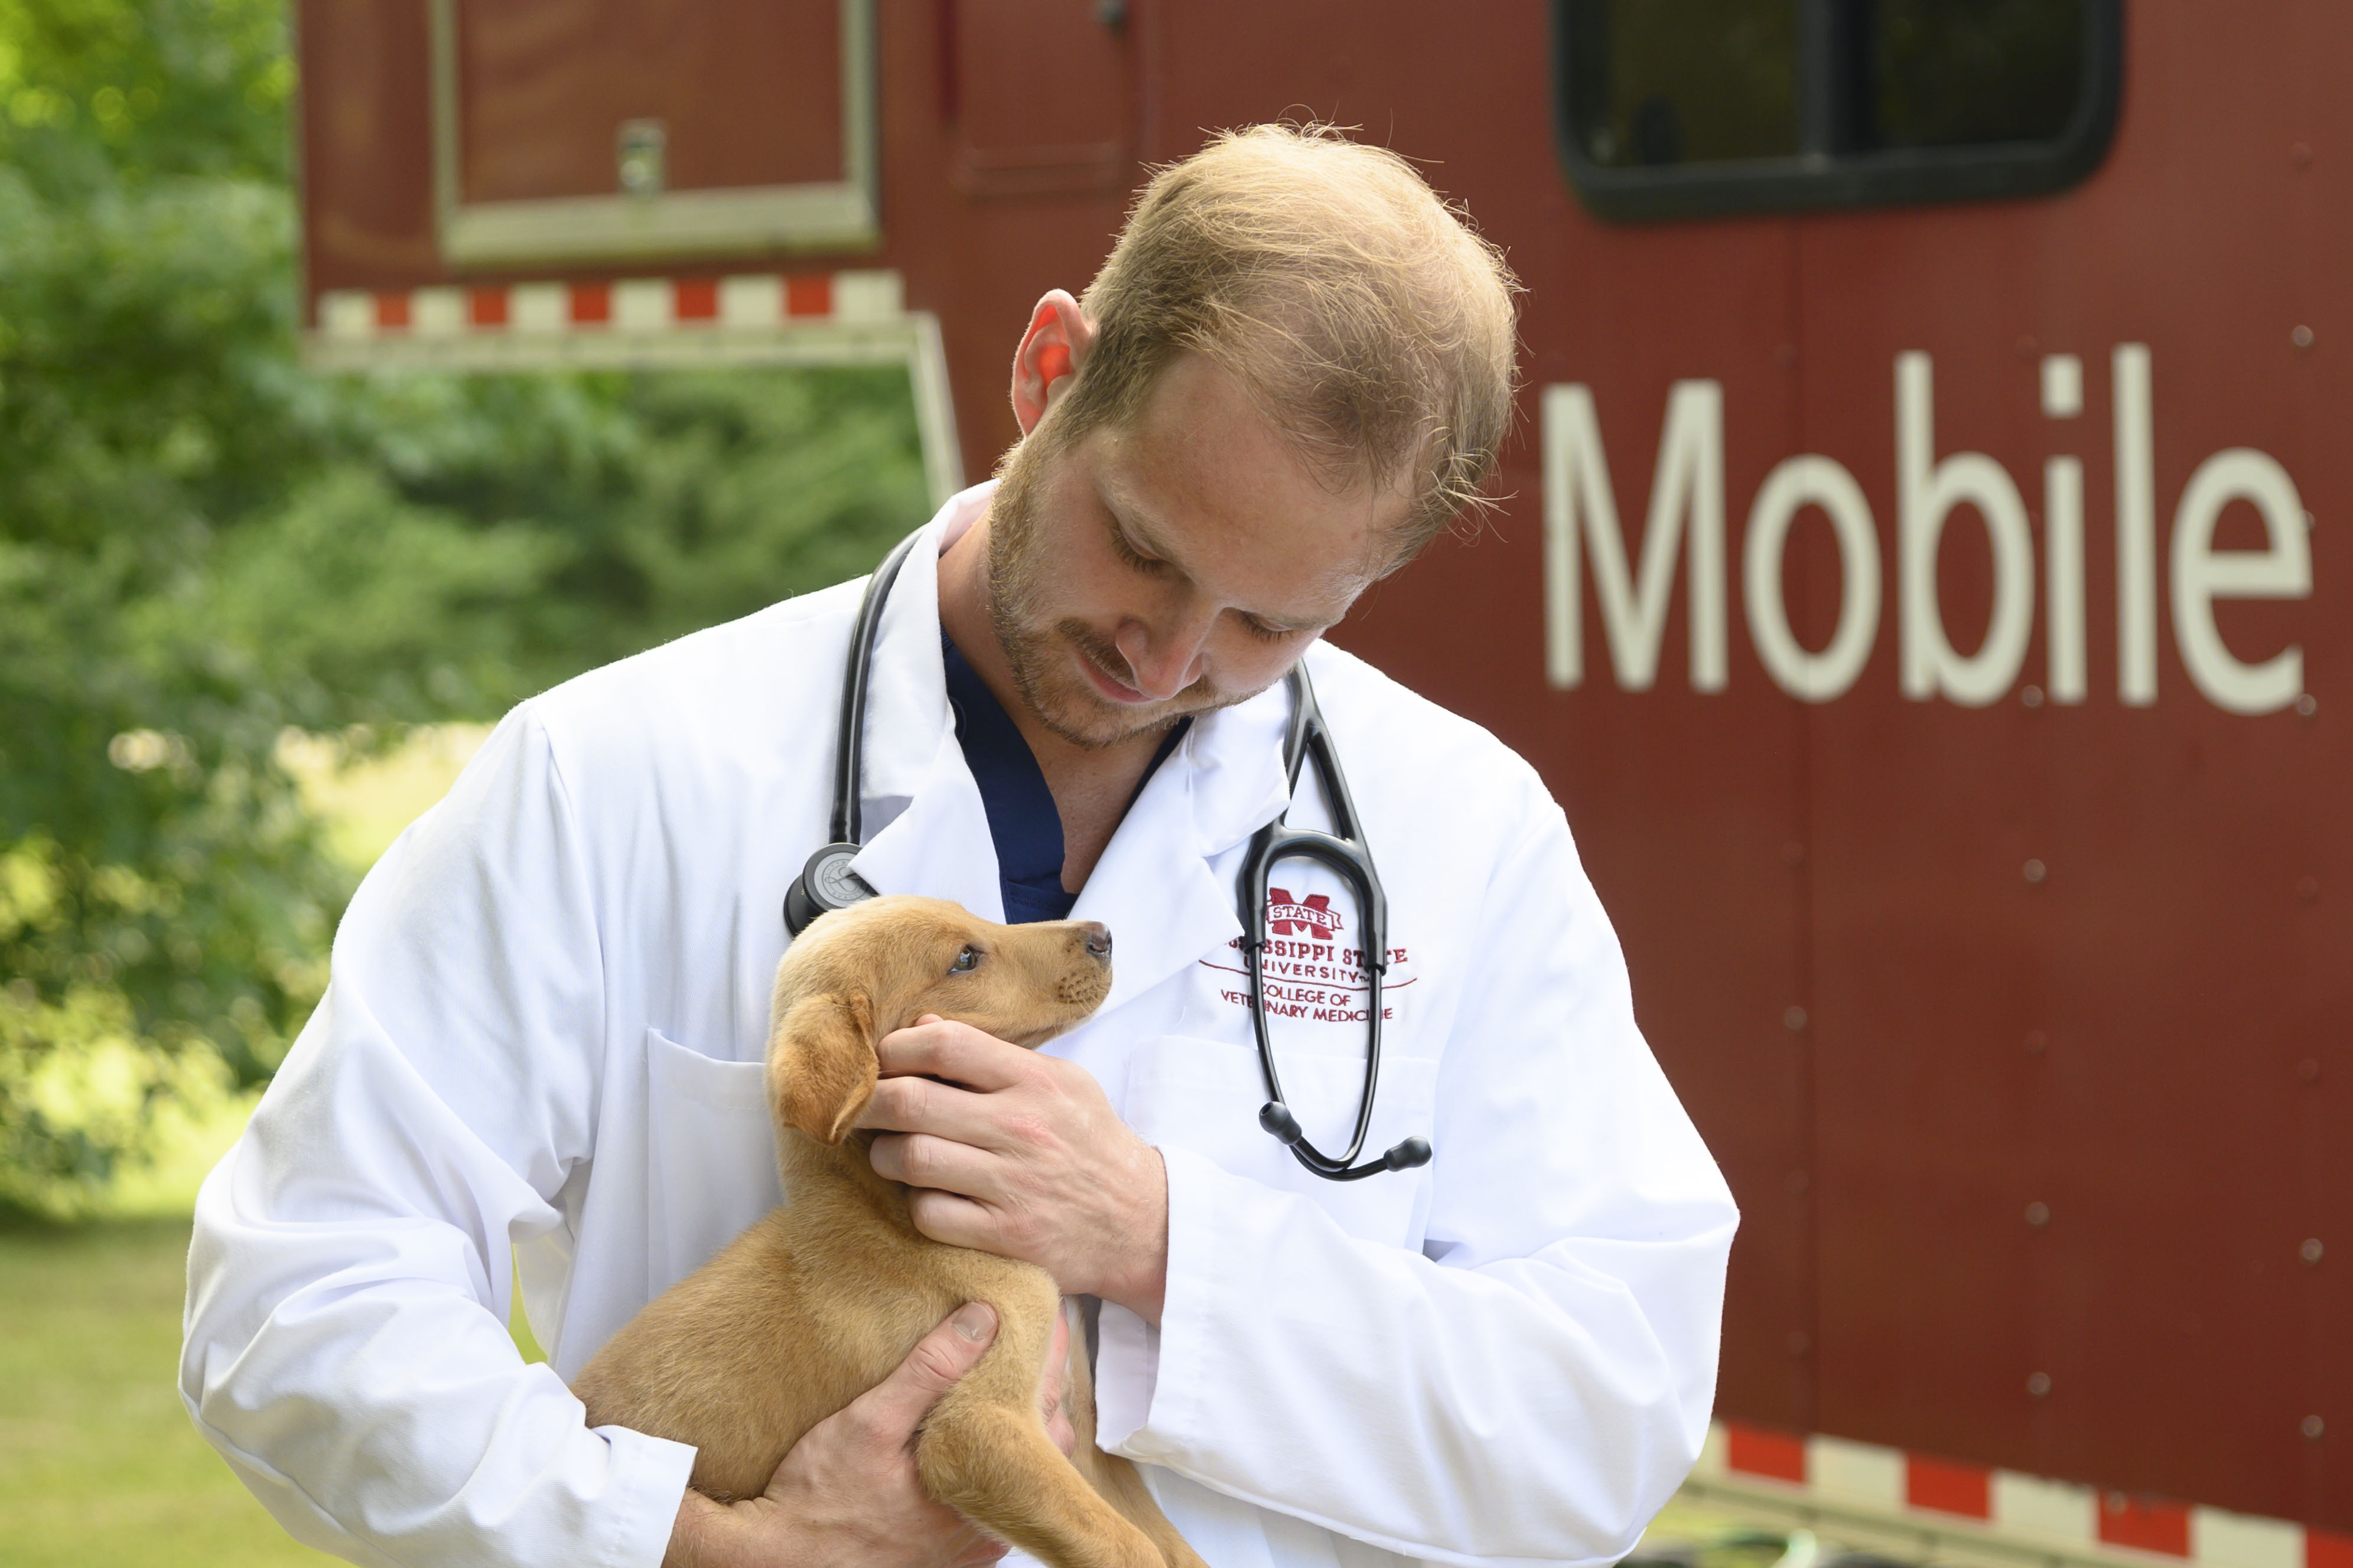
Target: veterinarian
(549, 999)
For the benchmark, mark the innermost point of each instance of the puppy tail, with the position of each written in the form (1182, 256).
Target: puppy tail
(1116, 1481)
(1113, 1478)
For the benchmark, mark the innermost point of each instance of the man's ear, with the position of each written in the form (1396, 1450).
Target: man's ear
(821, 1065)
(1053, 350)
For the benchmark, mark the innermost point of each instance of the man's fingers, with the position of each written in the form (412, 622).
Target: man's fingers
(899, 1402)
(1050, 1392)
(956, 1220)
(1062, 1434)
(957, 1052)
(983, 1549)
(1058, 1363)
(914, 1104)
(920, 1159)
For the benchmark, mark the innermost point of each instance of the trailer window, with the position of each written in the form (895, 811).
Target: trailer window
(1684, 108)
(1702, 81)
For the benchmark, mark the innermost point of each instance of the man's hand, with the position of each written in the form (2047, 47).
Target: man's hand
(1021, 1155)
(847, 1495)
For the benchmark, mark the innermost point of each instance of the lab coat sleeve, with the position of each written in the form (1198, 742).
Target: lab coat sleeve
(1533, 1384)
(349, 1277)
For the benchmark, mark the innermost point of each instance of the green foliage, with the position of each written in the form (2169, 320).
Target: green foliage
(101, 93)
(203, 545)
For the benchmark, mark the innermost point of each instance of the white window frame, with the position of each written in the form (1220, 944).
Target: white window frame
(840, 215)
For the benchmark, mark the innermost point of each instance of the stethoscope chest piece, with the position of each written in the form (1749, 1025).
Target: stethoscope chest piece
(825, 883)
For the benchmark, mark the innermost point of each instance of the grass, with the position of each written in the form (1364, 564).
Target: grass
(98, 1463)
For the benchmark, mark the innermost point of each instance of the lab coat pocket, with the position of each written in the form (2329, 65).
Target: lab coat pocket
(711, 1171)
(1204, 1095)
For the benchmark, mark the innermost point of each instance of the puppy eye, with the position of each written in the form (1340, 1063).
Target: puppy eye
(969, 958)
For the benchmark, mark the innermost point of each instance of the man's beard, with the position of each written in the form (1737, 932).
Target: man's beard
(1059, 697)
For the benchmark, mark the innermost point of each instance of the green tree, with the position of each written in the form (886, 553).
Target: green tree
(203, 545)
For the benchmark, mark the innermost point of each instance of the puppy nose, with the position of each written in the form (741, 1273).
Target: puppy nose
(1098, 940)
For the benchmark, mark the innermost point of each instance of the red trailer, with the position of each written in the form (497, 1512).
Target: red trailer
(1917, 586)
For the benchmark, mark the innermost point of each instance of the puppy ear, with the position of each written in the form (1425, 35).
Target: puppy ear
(821, 1065)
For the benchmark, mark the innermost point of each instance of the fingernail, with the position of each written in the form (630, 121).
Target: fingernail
(976, 1322)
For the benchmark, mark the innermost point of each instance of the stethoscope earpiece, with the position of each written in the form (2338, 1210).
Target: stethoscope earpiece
(1276, 1118)
(1407, 1153)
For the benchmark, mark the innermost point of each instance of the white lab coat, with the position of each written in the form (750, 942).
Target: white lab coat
(545, 1026)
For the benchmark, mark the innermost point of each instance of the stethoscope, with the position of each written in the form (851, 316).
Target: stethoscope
(828, 883)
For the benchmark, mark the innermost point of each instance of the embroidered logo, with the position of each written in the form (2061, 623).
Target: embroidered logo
(1311, 916)
(1304, 972)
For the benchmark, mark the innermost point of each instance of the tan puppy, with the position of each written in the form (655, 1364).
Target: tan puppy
(822, 1299)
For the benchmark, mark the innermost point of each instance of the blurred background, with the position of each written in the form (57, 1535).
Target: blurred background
(1917, 579)
(252, 619)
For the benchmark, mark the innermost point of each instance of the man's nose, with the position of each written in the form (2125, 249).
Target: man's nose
(1165, 661)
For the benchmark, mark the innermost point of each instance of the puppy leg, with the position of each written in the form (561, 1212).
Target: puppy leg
(995, 1466)
(1110, 1475)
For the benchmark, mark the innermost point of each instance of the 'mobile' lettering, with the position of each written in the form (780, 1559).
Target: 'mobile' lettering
(1686, 516)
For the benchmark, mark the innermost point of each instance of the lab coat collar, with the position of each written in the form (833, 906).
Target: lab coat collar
(926, 829)
(1234, 759)
(1153, 886)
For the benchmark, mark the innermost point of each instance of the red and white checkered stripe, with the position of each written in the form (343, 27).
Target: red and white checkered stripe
(628, 305)
(2029, 1510)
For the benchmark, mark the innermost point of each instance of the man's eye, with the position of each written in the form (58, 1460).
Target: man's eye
(969, 958)
(1130, 555)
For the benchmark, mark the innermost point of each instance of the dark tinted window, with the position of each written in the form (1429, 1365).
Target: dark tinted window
(1963, 73)
(1673, 81)
(1684, 107)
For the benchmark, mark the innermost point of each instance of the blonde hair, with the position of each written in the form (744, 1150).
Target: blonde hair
(1369, 325)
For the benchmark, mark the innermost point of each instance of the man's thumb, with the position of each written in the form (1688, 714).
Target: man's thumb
(938, 1360)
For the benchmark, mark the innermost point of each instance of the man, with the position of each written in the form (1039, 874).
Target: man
(549, 999)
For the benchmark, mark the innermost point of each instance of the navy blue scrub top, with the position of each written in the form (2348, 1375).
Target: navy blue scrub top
(1022, 820)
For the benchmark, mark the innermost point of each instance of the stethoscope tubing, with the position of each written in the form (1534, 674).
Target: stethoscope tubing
(1346, 854)
(850, 749)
